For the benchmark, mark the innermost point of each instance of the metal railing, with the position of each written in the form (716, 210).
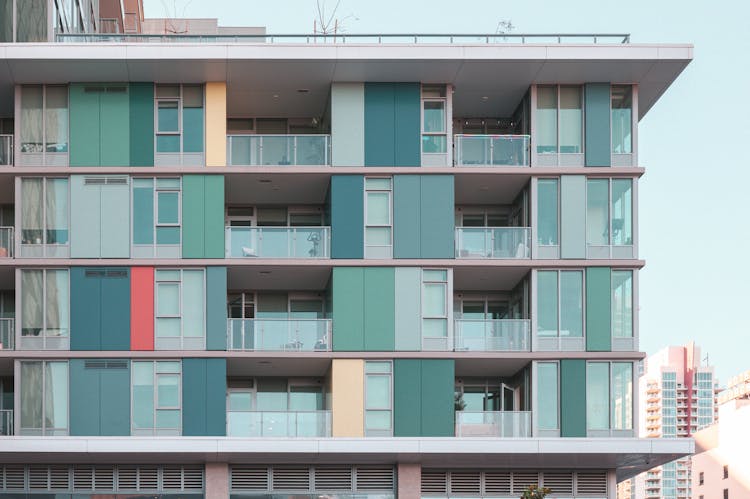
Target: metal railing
(376, 39)
(279, 335)
(491, 150)
(505, 424)
(295, 424)
(7, 334)
(278, 242)
(6, 150)
(493, 242)
(278, 150)
(6, 422)
(492, 335)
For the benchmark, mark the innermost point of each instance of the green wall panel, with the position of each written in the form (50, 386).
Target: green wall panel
(203, 397)
(572, 398)
(598, 309)
(348, 309)
(597, 120)
(141, 124)
(214, 217)
(572, 216)
(437, 208)
(192, 129)
(406, 216)
(407, 124)
(380, 117)
(379, 330)
(143, 215)
(114, 127)
(84, 126)
(216, 308)
(407, 401)
(99, 125)
(115, 309)
(85, 310)
(347, 216)
(193, 216)
(99, 397)
(438, 382)
(115, 400)
(408, 285)
(85, 399)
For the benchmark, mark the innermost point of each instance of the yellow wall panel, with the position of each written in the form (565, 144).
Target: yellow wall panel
(348, 397)
(216, 123)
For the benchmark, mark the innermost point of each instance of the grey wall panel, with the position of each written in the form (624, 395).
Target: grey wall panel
(408, 330)
(115, 221)
(348, 124)
(572, 216)
(85, 218)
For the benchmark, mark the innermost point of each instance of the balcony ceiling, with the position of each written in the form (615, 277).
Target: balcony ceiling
(264, 79)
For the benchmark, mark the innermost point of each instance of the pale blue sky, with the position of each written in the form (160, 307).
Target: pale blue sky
(693, 228)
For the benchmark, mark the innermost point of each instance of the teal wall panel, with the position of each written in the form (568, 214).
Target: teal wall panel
(407, 124)
(85, 399)
(192, 129)
(141, 124)
(408, 285)
(143, 215)
(114, 127)
(597, 120)
(379, 334)
(85, 218)
(573, 216)
(216, 386)
(99, 397)
(115, 309)
(406, 216)
(216, 308)
(204, 397)
(213, 219)
(348, 309)
(407, 400)
(85, 309)
(437, 208)
(115, 400)
(84, 126)
(348, 124)
(438, 382)
(347, 216)
(572, 398)
(380, 116)
(193, 216)
(598, 309)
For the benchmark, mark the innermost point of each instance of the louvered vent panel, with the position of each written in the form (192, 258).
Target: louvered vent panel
(15, 477)
(94, 181)
(522, 480)
(374, 478)
(192, 478)
(558, 482)
(249, 478)
(148, 478)
(104, 478)
(117, 180)
(333, 478)
(591, 482)
(497, 482)
(171, 478)
(38, 477)
(83, 478)
(292, 478)
(59, 477)
(127, 478)
(465, 482)
(434, 482)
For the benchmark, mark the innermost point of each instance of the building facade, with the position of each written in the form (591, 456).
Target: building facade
(243, 265)
(677, 398)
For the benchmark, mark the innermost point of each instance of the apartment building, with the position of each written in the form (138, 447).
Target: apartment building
(246, 265)
(678, 397)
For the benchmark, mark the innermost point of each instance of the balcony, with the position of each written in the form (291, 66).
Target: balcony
(279, 335)
(7, 334)
(278, 150)
(304, 424)
(492, 335)
(6, 422)
(278, 242)
(502, 424)
(6, 150)
(491, 150)
(493, 242)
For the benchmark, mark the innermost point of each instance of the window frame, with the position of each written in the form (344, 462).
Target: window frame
(64, 339)
(155, 245)
(49, 250)
(389, 225)
(380, 410)
(180, 317)
(44, 430)
(156, 374)
(546, 180)
(43, 146)
(610, 212)
(557, 88)
(537, 392)
(559, 273)
(611, 413)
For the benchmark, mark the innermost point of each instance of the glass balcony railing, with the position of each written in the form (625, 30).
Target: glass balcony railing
(311, 424)
(6, 242)
(279, 335)
(492, 335)
(505, 424)
(6, 150)
(6, 422)
(278, 242)
(493, 242)
(278, 150)
(491, 150)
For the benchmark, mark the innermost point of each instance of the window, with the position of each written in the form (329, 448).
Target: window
(179, 119)
(559, 115)
(45, 309)
(434, 129)
(609, 212)
(726, 493)
(31, 20)
(44, 398)
(571, 120)
(44, 122)
(44, 217)
(378, 398)
(378, 218)
(700, 479)
(156, 398)
(609, 396)
(622, 119)
(547, 208)
(548, 395)
(435, 308)
(726, 471)
(157, 217)
(622, 303)
(180, 309)
(560, 303)
(546, 116)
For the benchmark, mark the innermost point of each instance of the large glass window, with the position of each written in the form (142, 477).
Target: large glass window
(546, 119)
(45, 308)
(597, 395)
(44, 212)
(609, 395)
(622, 119)
(44, 398)
(157, 214)
(559, 119)
(179, 118)
(571, 120)
(560, 303)
(378, 398)
(609, 212)
(547, 212)
(548, 398)
(435, 304)
(622, 303)
(157, 398)
(622, 396)
(547, 301)
(180, 309)
(597, 212)
(622, 211)
(31, 21)
(44, 119)
(378, 218)
(434, 121)
(6, 21)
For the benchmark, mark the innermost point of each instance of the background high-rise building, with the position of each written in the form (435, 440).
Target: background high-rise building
(242, 265)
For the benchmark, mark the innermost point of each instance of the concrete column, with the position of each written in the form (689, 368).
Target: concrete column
(217, 480)
(409, 481)
(611, 484)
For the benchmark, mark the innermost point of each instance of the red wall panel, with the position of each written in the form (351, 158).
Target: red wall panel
(142, 308)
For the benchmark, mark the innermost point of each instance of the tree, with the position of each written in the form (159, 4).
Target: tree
(535, 492)
(329, 24)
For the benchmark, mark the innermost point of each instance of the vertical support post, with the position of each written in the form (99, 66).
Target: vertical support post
(217, 480)
(409, 480)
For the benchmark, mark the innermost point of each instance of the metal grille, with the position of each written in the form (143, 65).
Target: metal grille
(591, 482)
(99, 180)
(333, 478)
(504, 482)
(291, 478)
(522, 480)
(497, 482)
(465, 482)
(559, 482)
(371, 478)
(319, 479)
(105, 364)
